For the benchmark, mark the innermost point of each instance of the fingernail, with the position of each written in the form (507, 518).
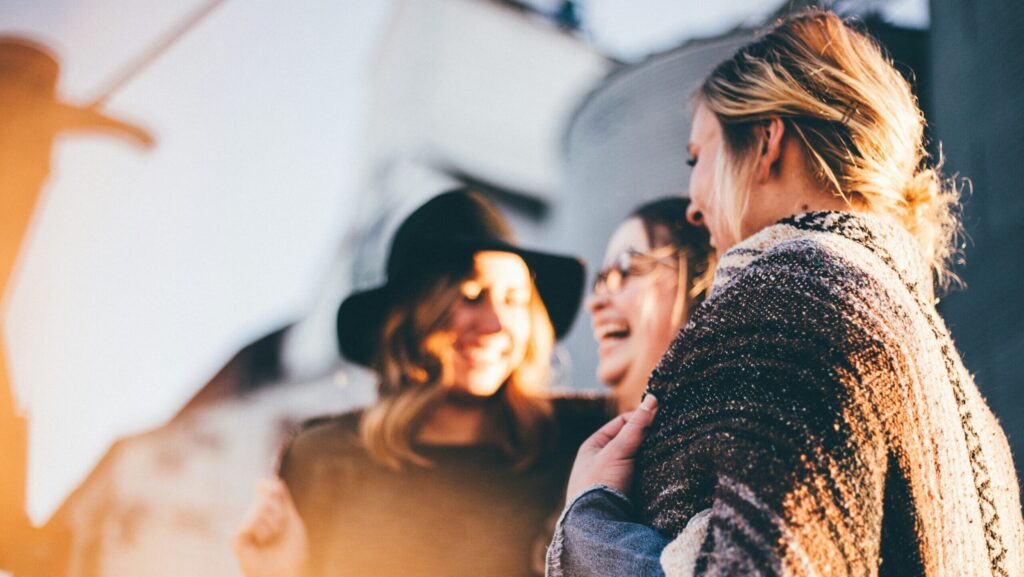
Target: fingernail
(649, 402)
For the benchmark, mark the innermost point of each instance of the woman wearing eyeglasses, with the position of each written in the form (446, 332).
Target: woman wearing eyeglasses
(657, 268)
(815, 417)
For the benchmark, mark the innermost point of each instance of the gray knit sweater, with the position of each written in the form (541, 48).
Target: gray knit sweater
(816, 407)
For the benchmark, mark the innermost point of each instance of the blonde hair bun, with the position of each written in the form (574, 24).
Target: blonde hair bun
(855, 115)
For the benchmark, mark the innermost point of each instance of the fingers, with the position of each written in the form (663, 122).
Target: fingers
(606, 433)
(632, 432)
(277, 491)
(644, 415)
(607, 456)
(266, 518)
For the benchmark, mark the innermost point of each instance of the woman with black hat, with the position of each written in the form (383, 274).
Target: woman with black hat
(462, 460)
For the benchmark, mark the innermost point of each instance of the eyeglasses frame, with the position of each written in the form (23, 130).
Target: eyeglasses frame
(622, 267)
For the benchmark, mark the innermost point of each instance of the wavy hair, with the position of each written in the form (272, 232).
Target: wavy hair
(414, 364)
(854, 115)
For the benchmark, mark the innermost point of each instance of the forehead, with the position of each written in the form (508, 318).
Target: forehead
(705, 126)
(495, 267)
(630, 235)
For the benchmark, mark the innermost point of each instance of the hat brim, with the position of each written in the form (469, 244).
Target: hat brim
(359, 320)
(63, 116)
(559, 280)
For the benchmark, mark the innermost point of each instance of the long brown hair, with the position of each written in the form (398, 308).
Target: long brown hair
(413, 362)
(855, 116)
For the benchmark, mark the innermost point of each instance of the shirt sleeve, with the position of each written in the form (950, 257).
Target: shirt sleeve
(596, 536)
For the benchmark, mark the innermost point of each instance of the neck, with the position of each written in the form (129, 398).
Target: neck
(774, 203)
(789, 189)
(454, 422)
(628, 392)
(624, 401)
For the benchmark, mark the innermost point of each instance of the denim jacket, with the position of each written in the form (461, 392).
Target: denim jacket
(596, 536)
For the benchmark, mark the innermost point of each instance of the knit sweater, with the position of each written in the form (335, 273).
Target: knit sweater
(816, 406)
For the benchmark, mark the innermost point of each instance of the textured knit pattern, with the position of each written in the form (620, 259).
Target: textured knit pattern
(818, 407)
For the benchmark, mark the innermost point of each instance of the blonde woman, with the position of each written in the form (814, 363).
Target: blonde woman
(458, 466)
(815, 417)
(657, 268)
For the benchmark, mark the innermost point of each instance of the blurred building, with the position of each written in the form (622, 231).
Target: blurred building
(463, 91)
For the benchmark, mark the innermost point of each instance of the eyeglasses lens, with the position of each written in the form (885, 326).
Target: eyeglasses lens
(610, 280)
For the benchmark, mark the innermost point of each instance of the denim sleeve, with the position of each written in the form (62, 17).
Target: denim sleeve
(596, 536)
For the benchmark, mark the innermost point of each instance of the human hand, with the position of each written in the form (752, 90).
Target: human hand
(606, 457)
(272, 541)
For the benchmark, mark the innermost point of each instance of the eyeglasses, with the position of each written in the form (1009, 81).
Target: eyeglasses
(612, 278)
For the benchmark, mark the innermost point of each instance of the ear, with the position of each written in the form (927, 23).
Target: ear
(772, 131)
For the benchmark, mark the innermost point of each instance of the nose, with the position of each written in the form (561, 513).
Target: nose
(694, 215)
(488, 320)
(596, 301)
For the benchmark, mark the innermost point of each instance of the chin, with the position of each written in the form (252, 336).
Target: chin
(631, 390)
(612, 377)
(484, 385)
(483, 392)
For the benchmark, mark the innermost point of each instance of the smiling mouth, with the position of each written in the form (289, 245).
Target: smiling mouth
(614, 331)
(482, 357)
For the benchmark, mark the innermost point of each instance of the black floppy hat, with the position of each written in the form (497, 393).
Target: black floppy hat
(441, 236)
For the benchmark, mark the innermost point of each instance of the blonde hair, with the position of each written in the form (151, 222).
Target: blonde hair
(413, 361)
(855, 117)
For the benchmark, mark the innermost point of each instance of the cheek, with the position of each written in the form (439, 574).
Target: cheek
(629, 305)
(520, 329)
(640, 308)
(459, 319)
(701, 184)
(657, 325)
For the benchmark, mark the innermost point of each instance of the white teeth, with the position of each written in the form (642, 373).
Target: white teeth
(482, 354)
(608, 329)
